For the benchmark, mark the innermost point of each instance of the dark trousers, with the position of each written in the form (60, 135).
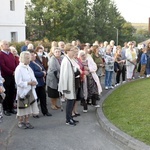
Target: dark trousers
(124, 73)
(9, 86)
(69, 108)
(84, 103)
(118, 73)
(94, 98)
(41, 94)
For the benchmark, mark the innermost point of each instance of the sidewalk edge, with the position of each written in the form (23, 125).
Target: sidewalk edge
(116, 133)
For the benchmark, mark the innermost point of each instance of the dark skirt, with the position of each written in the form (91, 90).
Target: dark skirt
(52, 93)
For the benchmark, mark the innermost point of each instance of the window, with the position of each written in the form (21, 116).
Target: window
(13, 36)
(12, 5)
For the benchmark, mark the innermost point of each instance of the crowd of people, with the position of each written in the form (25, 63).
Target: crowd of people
(71, 72)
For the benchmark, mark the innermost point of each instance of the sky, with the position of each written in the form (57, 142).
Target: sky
(134, 11)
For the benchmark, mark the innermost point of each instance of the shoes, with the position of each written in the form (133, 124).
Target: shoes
(7, 113)
(111, 87)
(70, 123)
(106, 87)
(75, 121)
(57, 107)
(12, 111)
(85, 111)
(54, 107)
(47, 114)
(141, 77)
(28, 126)
(21, 125)
(97, 106)
(117, 84)
(124, 82)
(62, 99)
(75, 115)
(36, 116)
(89, 102)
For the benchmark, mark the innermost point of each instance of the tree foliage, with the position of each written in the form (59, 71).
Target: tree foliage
(68, 20)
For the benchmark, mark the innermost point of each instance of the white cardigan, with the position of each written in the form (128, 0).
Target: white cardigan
(67, 79)
(23, 75)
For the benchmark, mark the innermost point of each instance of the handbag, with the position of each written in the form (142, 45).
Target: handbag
(26, 101)
(99, 72)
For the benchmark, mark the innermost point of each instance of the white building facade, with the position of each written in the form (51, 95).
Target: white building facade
(12, 20)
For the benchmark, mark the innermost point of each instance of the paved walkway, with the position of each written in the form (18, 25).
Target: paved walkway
(51, 133)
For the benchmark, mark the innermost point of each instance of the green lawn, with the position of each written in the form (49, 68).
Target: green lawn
(128, 108)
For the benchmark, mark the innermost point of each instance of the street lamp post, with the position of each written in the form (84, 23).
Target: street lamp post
(116, 36)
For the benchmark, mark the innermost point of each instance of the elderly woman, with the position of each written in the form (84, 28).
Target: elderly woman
(53, 76)
(131, 58)
(93, 83)
(66, 86)
(85, 72)
(98, 60)
(15, 54)
(26, 84)
(40, 75)
(77, 63)
(109, 67)
(41, 57)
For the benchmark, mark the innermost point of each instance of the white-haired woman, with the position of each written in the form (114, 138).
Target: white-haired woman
(26, 84)
(131, 58)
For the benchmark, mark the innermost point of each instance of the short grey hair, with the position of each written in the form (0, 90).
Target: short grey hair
(22, 57)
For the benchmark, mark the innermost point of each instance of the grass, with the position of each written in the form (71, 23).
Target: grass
(128, 108)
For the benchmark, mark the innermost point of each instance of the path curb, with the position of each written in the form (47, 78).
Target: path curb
(125, 139)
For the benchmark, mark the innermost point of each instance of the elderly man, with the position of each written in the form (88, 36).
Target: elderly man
(8, 65)
(61, 45)
(25, 47)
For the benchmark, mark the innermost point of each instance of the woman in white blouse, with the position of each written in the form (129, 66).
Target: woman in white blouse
(25, 81)
(131, 58)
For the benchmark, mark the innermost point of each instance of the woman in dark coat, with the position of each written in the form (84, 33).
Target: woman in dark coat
(40, 74)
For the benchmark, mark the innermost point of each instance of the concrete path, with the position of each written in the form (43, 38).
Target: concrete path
(51, 133)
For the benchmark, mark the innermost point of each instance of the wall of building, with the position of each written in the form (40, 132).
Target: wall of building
(12, 21)
(5, 33)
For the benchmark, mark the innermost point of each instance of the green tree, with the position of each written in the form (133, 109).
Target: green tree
(73, 19)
